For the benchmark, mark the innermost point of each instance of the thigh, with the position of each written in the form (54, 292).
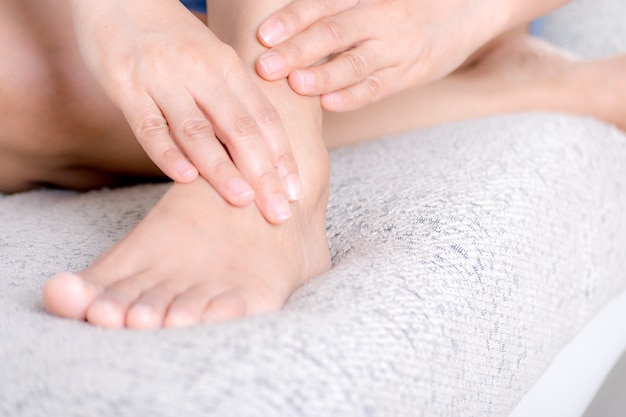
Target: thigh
(56, 121)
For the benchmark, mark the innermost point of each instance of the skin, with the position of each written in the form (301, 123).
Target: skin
(332, 49)
(178, 100)
(207, 280)
(182, 265)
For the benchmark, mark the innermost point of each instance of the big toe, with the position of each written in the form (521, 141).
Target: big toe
(68, 295)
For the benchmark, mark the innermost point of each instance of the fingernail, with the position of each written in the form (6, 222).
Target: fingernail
(241, 190)
(186, 170)
(306, 78)
(271, 32)
(294, 187)
(272, 62)
(279, 208)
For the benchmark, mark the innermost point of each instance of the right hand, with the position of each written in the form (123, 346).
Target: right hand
(356, 52)
(189, 100)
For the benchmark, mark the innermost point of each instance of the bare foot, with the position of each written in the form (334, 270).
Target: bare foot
(549, 78)
(522, 59)
(601, 89)
(194, 259)
(512, 74)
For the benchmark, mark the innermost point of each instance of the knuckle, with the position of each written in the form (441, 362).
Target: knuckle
(357, 63)
(268, 177)
(291, 18)
(196, 129)
(244, 127)
(374, 85)
(286, 163)
(324, 77)
(228, 54)
(292, 50)
(220, 166)
(331, 30)
(232, 66)
(268, 116)
(167, 155)
(151, 126)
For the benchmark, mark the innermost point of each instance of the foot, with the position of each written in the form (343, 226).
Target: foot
(554, 79)
(600, 88)
(196, 259)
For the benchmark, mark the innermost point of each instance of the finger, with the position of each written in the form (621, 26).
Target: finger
(153, 133)
(342, 71)
(324, 38)
(297, 16)
(373, 88)
(272, 131)
(195, 136)
(239, 131)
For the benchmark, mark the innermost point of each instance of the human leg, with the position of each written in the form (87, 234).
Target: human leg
(196, 258)
(128, 295)
(513, 73)
(58, 127)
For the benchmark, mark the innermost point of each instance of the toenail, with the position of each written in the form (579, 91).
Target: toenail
(142, 315)
(180, 317)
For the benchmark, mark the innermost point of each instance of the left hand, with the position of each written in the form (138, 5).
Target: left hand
(190, 100)
(355, 52)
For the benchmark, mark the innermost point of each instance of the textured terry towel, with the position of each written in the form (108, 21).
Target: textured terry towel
(465, 257)
(462, 265)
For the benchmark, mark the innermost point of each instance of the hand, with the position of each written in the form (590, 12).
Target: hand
(355, 52)
(181, 89)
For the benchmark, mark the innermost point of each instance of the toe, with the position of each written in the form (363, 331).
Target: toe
(144, 316)
(227, 306)
(148, 312)
(186, 309)
(107, 311)
(182, 316)
(69, 295)
(110, 308)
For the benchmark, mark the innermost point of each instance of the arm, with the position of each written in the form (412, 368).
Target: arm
(181, 89)
(370, 49)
